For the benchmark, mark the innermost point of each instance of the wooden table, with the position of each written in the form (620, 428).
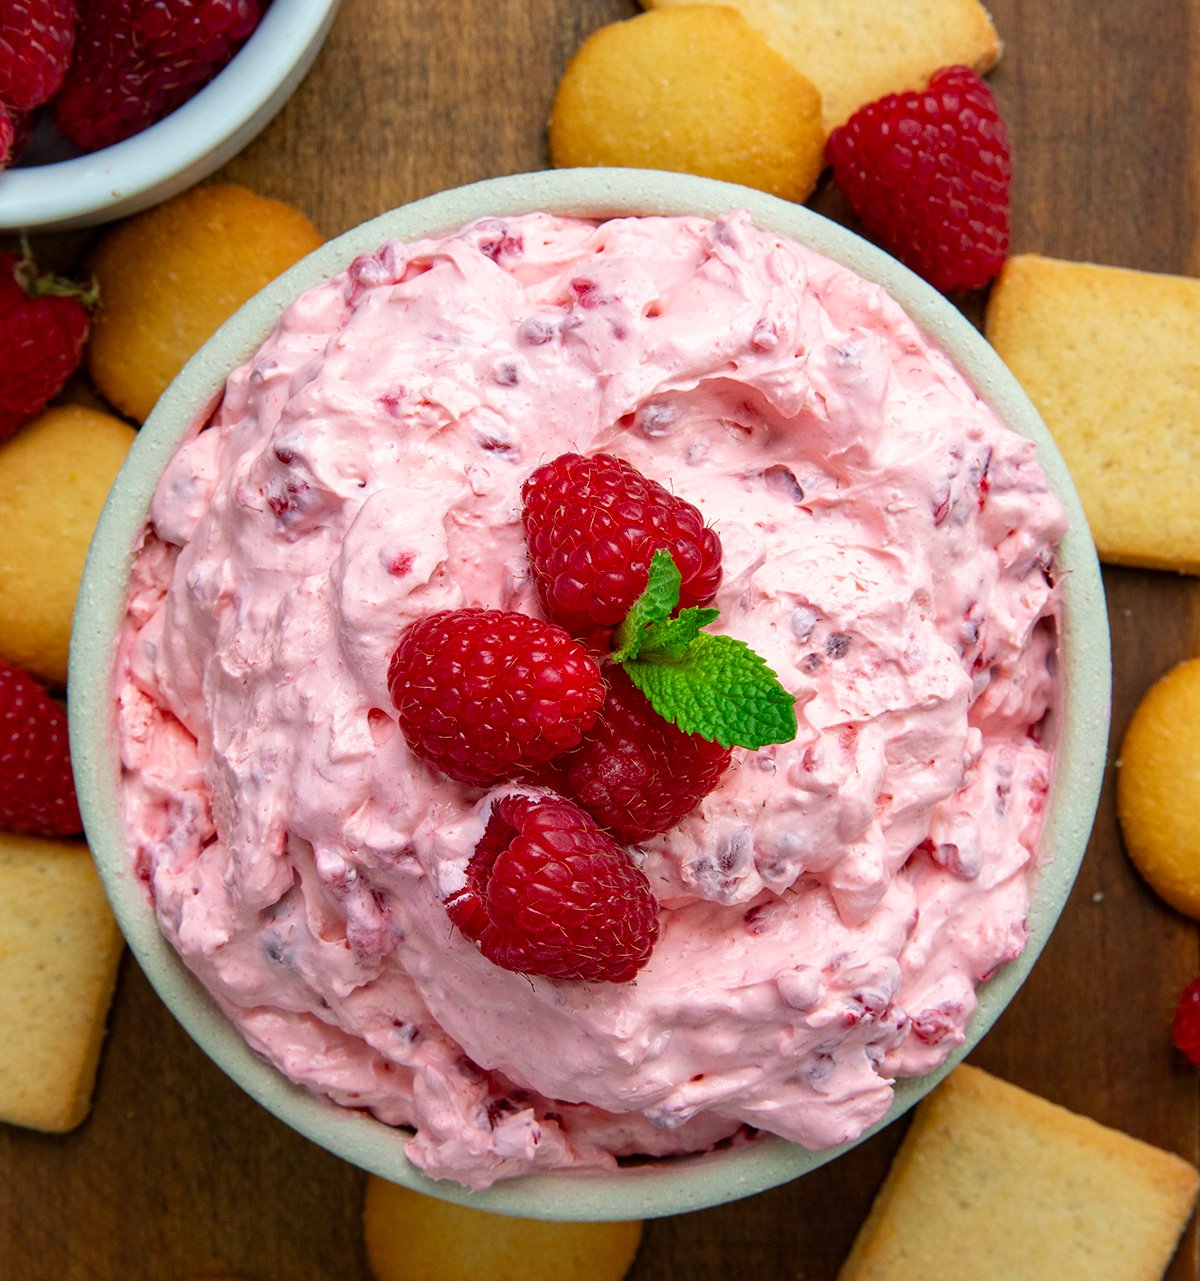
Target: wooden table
(177, 1173)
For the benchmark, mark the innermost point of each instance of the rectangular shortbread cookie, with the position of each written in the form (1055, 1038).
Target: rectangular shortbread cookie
(995, 1184)
(855, 53)
(1111, 358)
(59, 948)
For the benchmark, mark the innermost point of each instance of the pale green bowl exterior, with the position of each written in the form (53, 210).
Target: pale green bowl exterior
(668, 1187)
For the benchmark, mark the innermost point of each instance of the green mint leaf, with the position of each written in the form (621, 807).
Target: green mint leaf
(714, 686)
(718, 688)
(672, 637)
(654, 605)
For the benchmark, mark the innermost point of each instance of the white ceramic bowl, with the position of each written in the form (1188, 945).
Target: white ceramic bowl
(74, 189)
(679, 1184)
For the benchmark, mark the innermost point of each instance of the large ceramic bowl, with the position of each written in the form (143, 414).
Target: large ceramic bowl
(679, 1184)
(56, 186)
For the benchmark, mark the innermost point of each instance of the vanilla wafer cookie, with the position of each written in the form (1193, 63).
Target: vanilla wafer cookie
(1112, 361)
(411, 1237)
(171, 276)
(59, 948)
(1158, 780)
(694, 90)
(855, 53)
(1000, 1185)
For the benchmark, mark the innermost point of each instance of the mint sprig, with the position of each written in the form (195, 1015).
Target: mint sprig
(654, 605)
(714, 686)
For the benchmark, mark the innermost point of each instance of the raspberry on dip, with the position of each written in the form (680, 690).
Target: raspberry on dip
(814, 919)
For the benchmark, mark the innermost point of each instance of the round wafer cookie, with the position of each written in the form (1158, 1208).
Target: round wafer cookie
(170, 277)
(1158, 783)
(693, 90)
(55, 474)
(411, 1237)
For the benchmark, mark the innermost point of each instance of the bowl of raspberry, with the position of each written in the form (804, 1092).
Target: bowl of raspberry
(589, 694)
(110, 107)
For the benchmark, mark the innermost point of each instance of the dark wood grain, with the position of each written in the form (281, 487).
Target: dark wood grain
(177, 1174)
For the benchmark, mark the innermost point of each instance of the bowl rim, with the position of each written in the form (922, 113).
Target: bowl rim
(185, 145)
(681, 1184)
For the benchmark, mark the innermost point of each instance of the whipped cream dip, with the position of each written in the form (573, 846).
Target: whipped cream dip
(825, 913)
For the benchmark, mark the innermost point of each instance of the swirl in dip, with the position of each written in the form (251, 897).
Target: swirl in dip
(825, 913)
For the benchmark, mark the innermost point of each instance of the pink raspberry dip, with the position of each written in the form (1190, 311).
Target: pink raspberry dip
(825, 914)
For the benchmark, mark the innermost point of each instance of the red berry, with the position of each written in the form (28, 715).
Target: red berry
(549, 893)
(41, 340)
(1186, 1026)
(137, 60)
(635, 773)
(485, 695)
(36, 38)
(592, 525)
(8, 134)
(37, 792)
(928, 173)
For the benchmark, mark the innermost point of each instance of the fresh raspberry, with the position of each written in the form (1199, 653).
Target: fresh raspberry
(37, 793)
(8, 136)
(486, 695)
(928, 173)
(42, 333)
(137, 60)
(635, 773)
(549, 893)
(1185, 1028)
(592, 525)
(36, 38)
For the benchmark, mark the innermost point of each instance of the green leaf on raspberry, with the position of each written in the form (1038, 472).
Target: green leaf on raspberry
(654, 605)
(672, 637)
(720, 689)
(714, 686)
